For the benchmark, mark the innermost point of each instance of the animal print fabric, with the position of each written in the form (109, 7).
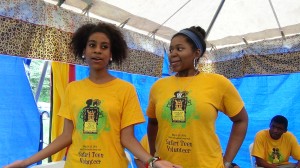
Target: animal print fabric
(276, 56)
(255, 65)
(28, 40)
(35, 29)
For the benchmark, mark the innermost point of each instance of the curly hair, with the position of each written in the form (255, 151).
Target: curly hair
(118, 48)
(200, 33)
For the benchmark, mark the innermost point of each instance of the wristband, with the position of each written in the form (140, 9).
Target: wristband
(152, 160)
(227, 164)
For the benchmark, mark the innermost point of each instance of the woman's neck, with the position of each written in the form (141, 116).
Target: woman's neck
(100, 77)
(187, 73)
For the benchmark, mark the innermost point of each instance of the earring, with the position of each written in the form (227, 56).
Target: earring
(196, 64)
(82, 56)
(110, 59)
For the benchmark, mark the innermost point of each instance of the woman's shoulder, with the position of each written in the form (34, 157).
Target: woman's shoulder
(163, 80)
(123, 82)
(212, 75)
(75, 85)
(213, 78)
(76, 82)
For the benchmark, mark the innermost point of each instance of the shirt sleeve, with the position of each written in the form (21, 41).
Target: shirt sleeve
(232, 102)
(132, 112)
(151, 104)
(258, 146)
(295, 148)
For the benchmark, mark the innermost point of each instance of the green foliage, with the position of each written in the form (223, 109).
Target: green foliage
(35, 72)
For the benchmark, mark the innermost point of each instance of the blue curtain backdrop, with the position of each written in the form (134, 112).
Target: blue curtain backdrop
(264, 97)
(20, 120)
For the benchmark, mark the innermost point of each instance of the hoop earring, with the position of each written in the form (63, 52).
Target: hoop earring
(196, 63)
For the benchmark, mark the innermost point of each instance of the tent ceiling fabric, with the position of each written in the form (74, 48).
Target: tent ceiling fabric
(252, 19)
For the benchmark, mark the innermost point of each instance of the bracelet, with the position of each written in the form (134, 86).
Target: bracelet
(228, 165)
(152, 160)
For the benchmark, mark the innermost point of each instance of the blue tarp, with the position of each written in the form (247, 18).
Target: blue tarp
(20, 120)
(264, 97)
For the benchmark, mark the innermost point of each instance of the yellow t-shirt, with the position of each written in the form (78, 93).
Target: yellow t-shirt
(99, 112)
(276, 151)
(186, 120)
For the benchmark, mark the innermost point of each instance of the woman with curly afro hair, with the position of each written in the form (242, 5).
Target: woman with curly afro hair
(99, 111)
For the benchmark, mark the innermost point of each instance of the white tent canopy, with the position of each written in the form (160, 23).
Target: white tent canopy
(252, 19)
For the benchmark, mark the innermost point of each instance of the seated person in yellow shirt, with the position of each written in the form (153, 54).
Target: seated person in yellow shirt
(273, 147)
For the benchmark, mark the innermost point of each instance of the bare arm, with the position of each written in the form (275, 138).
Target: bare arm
(62, 141)
(237, 135)
(139, 163)
(130, 142)
(152, 133)
(262, 163)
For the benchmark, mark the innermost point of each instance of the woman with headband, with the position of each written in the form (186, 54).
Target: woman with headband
(183, 109)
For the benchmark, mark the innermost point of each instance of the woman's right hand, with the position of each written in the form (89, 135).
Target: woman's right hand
(165, 164)
(16, 164)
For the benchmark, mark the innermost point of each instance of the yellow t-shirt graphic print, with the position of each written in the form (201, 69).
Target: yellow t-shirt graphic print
(186, 118)
(275, 156)
(92, 120)
(99, 112)
(178, 105)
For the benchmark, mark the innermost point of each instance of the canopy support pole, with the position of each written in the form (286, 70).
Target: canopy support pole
(275, 15)
(152, 34)
(124, 23)
(245, 41)
(42, 78)
(86, 10)
(60, 2)
(214, 18)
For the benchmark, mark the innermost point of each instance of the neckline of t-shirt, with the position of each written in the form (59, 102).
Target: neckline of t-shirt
(274, 140)
(89, 82)
(186, 77)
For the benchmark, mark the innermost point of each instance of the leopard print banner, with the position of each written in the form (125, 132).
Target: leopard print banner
(35, 29)
(19, 38)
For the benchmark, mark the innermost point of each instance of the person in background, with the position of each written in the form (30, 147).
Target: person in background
(99, 111)
(273, 147)
(183, 108)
